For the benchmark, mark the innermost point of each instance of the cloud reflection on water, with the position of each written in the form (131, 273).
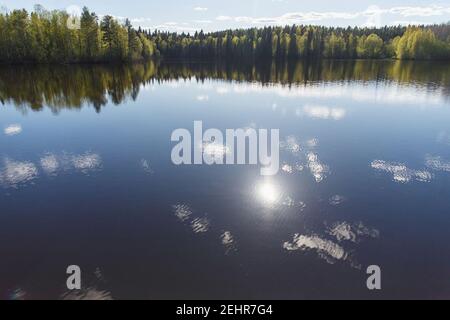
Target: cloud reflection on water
(145, 165)
(202, 225)
(215, 152)
(318, 169)
(228, 241)
(18, 294)
(182, 212)
(90, 293)
(93, 291)
(390, 93)
(351, 232)
(334, 250)
(437, 163)
(325, 248)
(324, 112)
(336, 200)
(13, 129)
(86, 162)
(401, 173)
(15, 174)
(306, 158)
(50, 164)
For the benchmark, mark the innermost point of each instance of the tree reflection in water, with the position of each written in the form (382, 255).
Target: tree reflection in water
(74, 86)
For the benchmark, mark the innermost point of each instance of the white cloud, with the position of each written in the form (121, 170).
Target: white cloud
(174, 27)
(373, 15)
(140, 20)
(244, 19)
(291, 18)
(202, 21)
(420, 11)
(224, 18)
(410, 23)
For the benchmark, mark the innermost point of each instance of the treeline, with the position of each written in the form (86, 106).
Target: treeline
(52, 36)
(296, 42)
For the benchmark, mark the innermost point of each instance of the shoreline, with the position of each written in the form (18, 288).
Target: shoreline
(213, 61)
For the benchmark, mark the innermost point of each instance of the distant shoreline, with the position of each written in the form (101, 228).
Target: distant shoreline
(56, 37)
(212, 61)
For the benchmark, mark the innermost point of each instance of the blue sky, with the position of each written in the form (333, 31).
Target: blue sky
(190, 15)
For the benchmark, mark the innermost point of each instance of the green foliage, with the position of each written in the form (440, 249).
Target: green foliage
(45, 36)
(421, 44)
(335, 46)
(304, 42)
(371, 47)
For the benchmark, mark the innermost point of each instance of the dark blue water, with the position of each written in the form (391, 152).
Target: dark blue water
(86, 179)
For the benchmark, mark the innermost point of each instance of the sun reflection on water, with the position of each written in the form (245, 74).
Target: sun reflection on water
(268, 193)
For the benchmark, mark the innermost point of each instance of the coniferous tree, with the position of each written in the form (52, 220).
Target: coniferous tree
(45, 36)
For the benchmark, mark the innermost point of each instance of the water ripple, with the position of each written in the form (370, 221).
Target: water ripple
(17, 173)
(437, 163)
(401, 173)
(325, 248)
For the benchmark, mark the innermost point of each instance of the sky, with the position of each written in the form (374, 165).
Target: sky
(194, 15)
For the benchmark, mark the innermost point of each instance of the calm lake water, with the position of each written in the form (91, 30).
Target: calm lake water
(86, 179)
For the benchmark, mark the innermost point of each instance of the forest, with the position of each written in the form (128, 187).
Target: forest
(49, 37)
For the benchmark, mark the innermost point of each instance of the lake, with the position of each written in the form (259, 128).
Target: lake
(86, 179)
